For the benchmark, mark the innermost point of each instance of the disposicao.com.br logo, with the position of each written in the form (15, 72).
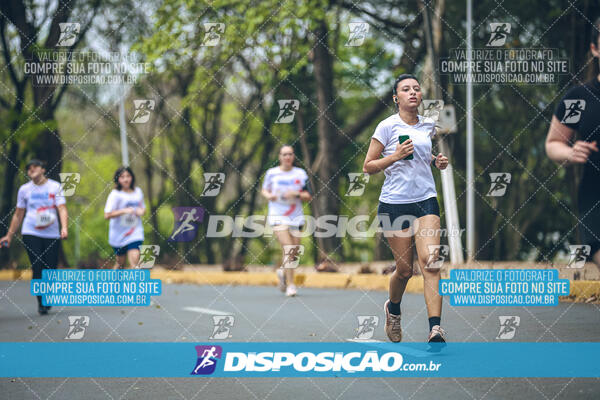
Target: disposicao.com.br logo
(313, 363)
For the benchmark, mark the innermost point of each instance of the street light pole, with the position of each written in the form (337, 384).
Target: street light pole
(123, 128)
(470, 152)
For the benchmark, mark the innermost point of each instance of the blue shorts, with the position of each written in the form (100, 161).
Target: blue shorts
(121, 251)
(405, 214)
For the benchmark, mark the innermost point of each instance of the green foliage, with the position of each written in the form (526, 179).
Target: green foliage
(220, 105)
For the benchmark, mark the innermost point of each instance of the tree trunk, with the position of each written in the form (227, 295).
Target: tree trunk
(326, 196)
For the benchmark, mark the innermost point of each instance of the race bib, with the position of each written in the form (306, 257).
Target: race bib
(44, 218)
(128, 220)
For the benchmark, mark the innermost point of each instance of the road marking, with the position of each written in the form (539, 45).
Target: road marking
(206, 311)
(364, 340)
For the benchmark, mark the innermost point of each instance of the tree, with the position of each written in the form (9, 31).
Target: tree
(21, 26)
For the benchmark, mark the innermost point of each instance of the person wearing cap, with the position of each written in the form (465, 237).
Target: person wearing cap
(40, 206)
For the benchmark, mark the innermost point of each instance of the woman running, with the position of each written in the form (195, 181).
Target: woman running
(408, 195)
(124, 207)
(37, 204)
(286, 187)
(579, 112)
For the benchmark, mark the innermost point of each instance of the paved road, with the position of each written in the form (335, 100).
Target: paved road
(183, 313)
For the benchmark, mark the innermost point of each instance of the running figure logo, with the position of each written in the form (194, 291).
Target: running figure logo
(508, 327)
(432, 109)
(223, 324)
(287, 110)
(77, 325)
(291, 255)
(438, 253)
(366, 327)
(500, 31)
(212, 183)
(579, 255)
(186, 223)
(500, 181)
(573, 110)
(207, 359)
(68, 34)
(148, 254)
(358, 183)
(68, 183)
(358, 33)
(212, 33)
(142, 112)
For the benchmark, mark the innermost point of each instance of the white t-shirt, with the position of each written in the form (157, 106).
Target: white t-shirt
(407, 181)
(282, 211)
(40, 202)
(126, 228)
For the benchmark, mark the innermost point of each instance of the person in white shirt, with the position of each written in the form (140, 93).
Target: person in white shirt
(286, 187)
(124, 208)
(40, 206)
(401, 147)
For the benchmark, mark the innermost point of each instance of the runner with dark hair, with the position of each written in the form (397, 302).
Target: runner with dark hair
(401, 147)
(124, 208)
(40, 205)
(286, 187)
(573, 138)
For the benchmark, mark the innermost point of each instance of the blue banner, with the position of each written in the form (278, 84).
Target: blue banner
(504, 287)
(95, 287)
(281, 359)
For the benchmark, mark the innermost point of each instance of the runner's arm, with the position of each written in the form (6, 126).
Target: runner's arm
(305, 193)
(558, 148)
(118, 213)
(440, 159)
(139, 211)
(15, 222)
(267, 186)
(268, 195)
(63, 215)
(373, 162)
(305, 196)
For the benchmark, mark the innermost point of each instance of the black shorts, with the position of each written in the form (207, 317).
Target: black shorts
(589, 227)
(393, 217)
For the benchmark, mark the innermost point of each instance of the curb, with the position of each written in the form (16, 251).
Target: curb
(581, 291)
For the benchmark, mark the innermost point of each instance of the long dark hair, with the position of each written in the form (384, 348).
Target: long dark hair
(118, 174)
(593, 68)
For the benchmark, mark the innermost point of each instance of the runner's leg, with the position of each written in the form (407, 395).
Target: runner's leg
(401, 245)
(427, 224)
(50, 255)
(119, 261)
(290, 271)
(284, 238)
(34, 248)
(133, 256)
